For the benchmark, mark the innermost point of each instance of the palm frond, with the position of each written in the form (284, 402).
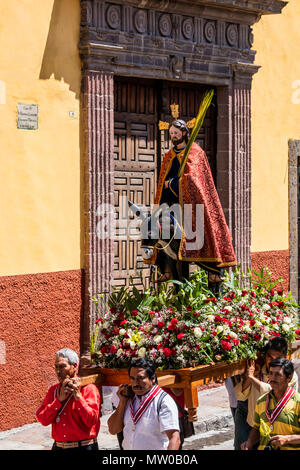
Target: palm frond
(199, 121)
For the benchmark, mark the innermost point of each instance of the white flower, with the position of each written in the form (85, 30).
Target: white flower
(219, 329)
(232, 334)
(197, 332)
(287, 320)
(229, 308)
(122, 332)
(142, 352)
(285, 327)
(157, 339)
(211, 317)
(266, 307)
(247, 329)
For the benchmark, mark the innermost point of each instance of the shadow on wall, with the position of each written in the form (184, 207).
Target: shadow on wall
(61, 55)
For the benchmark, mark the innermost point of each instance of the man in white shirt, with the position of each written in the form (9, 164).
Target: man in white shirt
(147, 422)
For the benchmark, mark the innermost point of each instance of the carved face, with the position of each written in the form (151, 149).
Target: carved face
(176, 135)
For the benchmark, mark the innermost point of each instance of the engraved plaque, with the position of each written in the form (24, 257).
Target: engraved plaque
(27, 116)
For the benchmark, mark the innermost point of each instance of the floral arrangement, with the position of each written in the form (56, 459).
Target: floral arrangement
(189, 326)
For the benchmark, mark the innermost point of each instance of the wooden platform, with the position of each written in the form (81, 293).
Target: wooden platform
(188, 379)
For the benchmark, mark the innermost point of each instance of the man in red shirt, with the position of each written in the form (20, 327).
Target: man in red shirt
(72, 410)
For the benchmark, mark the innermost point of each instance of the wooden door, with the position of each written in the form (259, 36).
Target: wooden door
(136, 138)
(139, 148)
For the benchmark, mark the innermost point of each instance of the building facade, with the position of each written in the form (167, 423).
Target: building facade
(81, 98)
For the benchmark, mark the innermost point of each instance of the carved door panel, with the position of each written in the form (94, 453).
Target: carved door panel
(135, 171)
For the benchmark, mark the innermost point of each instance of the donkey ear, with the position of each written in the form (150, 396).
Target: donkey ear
(137, 211)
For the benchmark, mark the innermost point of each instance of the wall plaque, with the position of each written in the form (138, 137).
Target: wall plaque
(27, 116)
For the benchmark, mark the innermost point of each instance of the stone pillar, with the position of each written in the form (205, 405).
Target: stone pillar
(234, 158)
(98, 132)
(241, 175)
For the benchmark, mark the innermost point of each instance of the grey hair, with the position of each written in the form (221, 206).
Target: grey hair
(69, 354)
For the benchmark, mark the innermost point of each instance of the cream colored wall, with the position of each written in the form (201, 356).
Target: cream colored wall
(40, 169)
(275, 119)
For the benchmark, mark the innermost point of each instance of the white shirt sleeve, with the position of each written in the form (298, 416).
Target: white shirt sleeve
(168, 414)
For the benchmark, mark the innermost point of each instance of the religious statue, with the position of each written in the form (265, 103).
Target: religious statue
(186, 180)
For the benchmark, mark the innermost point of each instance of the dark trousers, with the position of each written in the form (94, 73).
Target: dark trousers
(241, 427)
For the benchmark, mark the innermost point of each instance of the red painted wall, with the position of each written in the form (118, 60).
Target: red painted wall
(278, 263)
(39, 314)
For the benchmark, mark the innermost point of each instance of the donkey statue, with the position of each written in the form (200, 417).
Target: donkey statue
(162, 230)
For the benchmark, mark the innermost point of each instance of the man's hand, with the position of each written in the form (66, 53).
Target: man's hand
(245, 446)
(65, 390)
(76, 387)
(250, 371)
(279, 440)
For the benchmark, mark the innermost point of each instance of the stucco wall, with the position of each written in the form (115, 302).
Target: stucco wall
(40, 169)
(275, 119)
(40, 204)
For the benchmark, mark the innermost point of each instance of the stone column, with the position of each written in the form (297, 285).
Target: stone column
(98, 132)
(241, 163)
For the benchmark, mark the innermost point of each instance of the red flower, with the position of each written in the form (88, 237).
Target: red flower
(167, 352)
(123, 322)
(151, 313)
(226, 345)
(218, 318)
(245, 337)
(174, 321)
(113, 309)
(189, 308)
(104, 349)
(113, 349)
(279, 291)
(134, 313)
(244, 292)
(257, 337)
(180, 335)
(161, 324)
(235, 341)
(98, 320)
(115, 330)
(253, 294)
(252, 322)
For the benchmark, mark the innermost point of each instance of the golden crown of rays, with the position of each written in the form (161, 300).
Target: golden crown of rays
(175, 114)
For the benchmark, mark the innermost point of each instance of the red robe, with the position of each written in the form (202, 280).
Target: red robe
(196, 186)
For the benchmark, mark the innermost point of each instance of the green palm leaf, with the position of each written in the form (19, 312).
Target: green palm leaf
(199, 121)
